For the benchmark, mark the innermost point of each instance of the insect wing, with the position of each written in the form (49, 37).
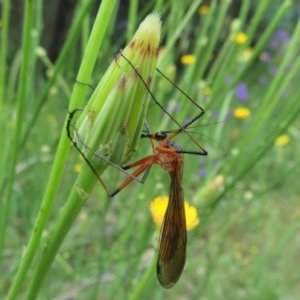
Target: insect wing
(173, 238)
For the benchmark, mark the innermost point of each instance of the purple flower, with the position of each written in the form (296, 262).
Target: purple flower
(263, 80)
(202, 172)
(274, 70)
(241, 92)
(173, 106)
(280, 38)
(282, 35)
(265, 57)
(202, 160)
(215, 115)
(228, 79)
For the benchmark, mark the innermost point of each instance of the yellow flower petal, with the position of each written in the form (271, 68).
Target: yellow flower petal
(240, 38)
(207, 91)
(77, 168)
(158, 207)
(282, 140)
(203, 9)
(191, 216)
(187, 59)
(242, 112)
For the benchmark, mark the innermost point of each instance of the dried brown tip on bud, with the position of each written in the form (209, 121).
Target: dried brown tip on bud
(122, 82)
(147, 37)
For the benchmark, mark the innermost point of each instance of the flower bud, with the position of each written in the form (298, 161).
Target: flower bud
(111, 123)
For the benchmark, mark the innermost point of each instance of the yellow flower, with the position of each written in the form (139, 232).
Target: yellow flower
(207, 91)
(282, 140)
(187, 59)
(77, 168)
(247, 53)
(240, 38)
(242, 112)
(158, 207)
(238, 255)
(203, 9)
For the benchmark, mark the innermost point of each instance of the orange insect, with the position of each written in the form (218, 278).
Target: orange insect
(173, 237)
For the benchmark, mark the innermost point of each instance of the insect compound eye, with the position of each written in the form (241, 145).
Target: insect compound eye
(160, 135)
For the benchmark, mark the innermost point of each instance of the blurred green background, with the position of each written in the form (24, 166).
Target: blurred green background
(244, 58)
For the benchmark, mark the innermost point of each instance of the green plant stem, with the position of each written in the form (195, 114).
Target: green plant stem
(145, 281)
(3, 48)
(5, 137)
(84, 75)
(132, 19)
(78, 196)
(178, 29)
(59, 65)
(256, 21)
(263, 38)
(22, 89)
